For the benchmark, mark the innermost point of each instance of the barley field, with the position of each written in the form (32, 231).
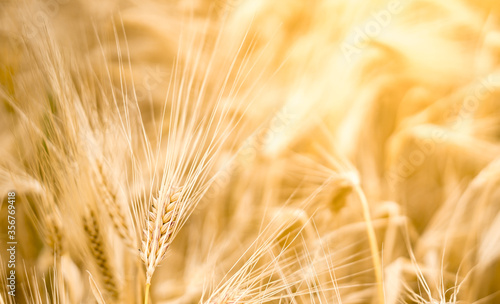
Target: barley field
(250, 151)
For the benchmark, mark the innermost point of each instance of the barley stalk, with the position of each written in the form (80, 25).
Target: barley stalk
(98, 250)
(372, 238)
(158, 231)
(54, 234)
(113, 209)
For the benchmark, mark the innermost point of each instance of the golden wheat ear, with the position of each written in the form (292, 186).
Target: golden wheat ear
(157, 233)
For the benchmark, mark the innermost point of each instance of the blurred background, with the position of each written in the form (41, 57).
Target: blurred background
(351, 146)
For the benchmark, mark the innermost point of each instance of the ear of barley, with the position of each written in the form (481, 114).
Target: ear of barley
(54, 233)
(109, 198)
(99, 252)
(158, 231)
